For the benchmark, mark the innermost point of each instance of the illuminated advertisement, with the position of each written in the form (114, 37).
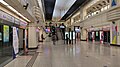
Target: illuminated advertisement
(0, 36)
(96, 33)
(6, 33)
(114, 34)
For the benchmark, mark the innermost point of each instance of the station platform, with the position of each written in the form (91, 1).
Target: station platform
(81, 54)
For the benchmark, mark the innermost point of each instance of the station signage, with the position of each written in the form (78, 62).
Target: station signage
(23, 24)
(17, 22)
(6, 17)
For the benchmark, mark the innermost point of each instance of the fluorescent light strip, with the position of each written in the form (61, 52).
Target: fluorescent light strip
(11, 8)
(3, 2)
(18, 13)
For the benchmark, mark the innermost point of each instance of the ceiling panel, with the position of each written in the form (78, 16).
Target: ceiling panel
(74, 7)
(49, 7)
(20, 9)
(61, 7)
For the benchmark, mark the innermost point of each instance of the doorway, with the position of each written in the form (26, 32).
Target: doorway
(21, 40)
(6, 50)
(90, 36)
(106, 36)
(97, 36)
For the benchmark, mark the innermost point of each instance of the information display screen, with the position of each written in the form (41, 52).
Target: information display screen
(6, 33)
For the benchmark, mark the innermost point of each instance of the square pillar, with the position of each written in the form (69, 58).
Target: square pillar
(32, 37)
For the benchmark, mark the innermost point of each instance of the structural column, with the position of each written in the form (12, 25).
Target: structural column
(32, 36)
(83, 34)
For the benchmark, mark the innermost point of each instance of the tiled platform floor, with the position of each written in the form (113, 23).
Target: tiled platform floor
(83, 54)
(20, 61)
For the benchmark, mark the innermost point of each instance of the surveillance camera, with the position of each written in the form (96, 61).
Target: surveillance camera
(26, 6)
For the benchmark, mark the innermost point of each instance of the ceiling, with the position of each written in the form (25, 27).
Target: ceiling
(74, 7)
(57, 10)
(49, 7)
(19, 8)
(61, 7)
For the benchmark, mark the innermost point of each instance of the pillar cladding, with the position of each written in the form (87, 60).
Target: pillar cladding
(32, 37)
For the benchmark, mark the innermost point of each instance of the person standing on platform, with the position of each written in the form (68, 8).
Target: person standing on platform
(42, 37)
(63, 27)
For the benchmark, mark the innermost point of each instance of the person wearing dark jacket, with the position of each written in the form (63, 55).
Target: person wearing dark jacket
(53, 32)
(63, 27)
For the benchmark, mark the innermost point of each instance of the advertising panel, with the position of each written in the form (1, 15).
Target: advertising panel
(15, 40)
(0, 36)
(114, 34)
(6, 33)
(96, 33)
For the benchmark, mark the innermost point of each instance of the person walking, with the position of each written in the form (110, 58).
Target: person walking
(53, 32)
